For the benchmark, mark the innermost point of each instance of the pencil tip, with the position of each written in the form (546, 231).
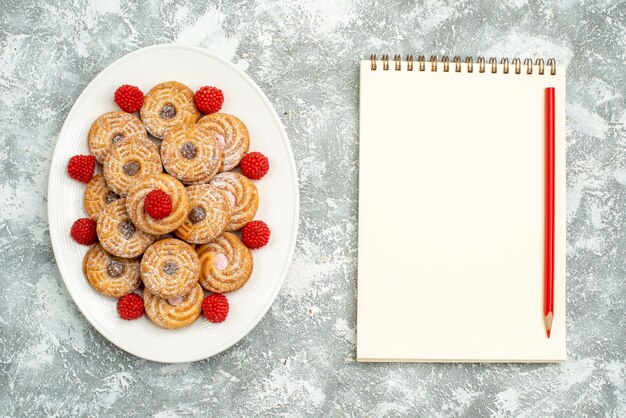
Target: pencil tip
(548, 322)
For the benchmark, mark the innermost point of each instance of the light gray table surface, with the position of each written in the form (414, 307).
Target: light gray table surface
(299, 360)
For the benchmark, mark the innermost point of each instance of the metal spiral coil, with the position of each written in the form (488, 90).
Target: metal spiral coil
(539, 63)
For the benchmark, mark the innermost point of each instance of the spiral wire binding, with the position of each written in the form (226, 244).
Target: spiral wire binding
(505, 65)
(481, 64)
(457, 64)
(446, 63)
(469, 61)
(494, 64)
(529, 65)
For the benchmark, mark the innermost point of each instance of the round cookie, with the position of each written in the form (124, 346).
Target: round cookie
(166, 106)
(192, 154)
(169, 268)
(243, 196)
(174, 313)
(118, 235)
(97, 196)
(129, 161)
(232, 134)
(110, 275)
(226, 264)
(208, 214)
(113, 128)
(137, 194)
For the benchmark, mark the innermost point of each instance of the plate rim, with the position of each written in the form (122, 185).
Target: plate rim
(294, 185)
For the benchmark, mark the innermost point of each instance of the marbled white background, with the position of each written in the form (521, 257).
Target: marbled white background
(299, 361)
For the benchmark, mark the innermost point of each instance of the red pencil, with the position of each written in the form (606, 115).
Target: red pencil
(548, 297)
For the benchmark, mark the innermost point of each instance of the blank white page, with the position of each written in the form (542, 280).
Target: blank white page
(451, 215)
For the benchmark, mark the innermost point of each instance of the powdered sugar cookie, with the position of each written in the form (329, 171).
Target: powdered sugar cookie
(117, 233)
(208, 214)
(226, 264)
(135, 203)
(128, 161)
(110, 275)
(97, 196)
(243, 196)
(113, 128)
(232, 134)
(174, 313)
(192, 154)
(166, 106)
(169, 268)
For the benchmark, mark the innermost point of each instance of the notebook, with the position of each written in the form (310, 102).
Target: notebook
(451, 210)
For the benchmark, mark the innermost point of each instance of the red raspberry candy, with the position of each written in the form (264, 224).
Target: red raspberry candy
(84, 231)
(209, 99)
(130, 306)
(255, 234)
(80, 167)
(254, 165)
(129, 98)
(215, 307)
(158, 204)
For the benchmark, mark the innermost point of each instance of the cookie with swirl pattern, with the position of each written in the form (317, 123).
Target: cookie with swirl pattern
(111, 129)
(166, 106)
(174, 313)
(169, 268)
(109, 275)
(243, 196)
(208, 214)
(97, 196)
(137, 196)
(118, 234)
(128, 162)
(226, 264)
(192, 154)
(232, 134)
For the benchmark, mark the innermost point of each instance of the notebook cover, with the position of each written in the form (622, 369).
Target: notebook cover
(451, 216)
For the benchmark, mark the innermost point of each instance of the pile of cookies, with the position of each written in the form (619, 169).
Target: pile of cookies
(165, 210)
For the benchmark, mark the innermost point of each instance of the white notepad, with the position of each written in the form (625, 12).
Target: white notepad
(451, 213)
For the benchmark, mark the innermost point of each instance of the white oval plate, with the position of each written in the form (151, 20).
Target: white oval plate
(278, 192)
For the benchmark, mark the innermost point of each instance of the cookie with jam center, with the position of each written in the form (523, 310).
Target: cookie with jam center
(192, 154)
(208, 214)
(111, 129)
(169, 268)
(167, 106)
(97, 196)
(226, 264)
(174, 313)
(109, 275)
(118, 234)
(232, 135)
(243, 196)
(128, 162)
